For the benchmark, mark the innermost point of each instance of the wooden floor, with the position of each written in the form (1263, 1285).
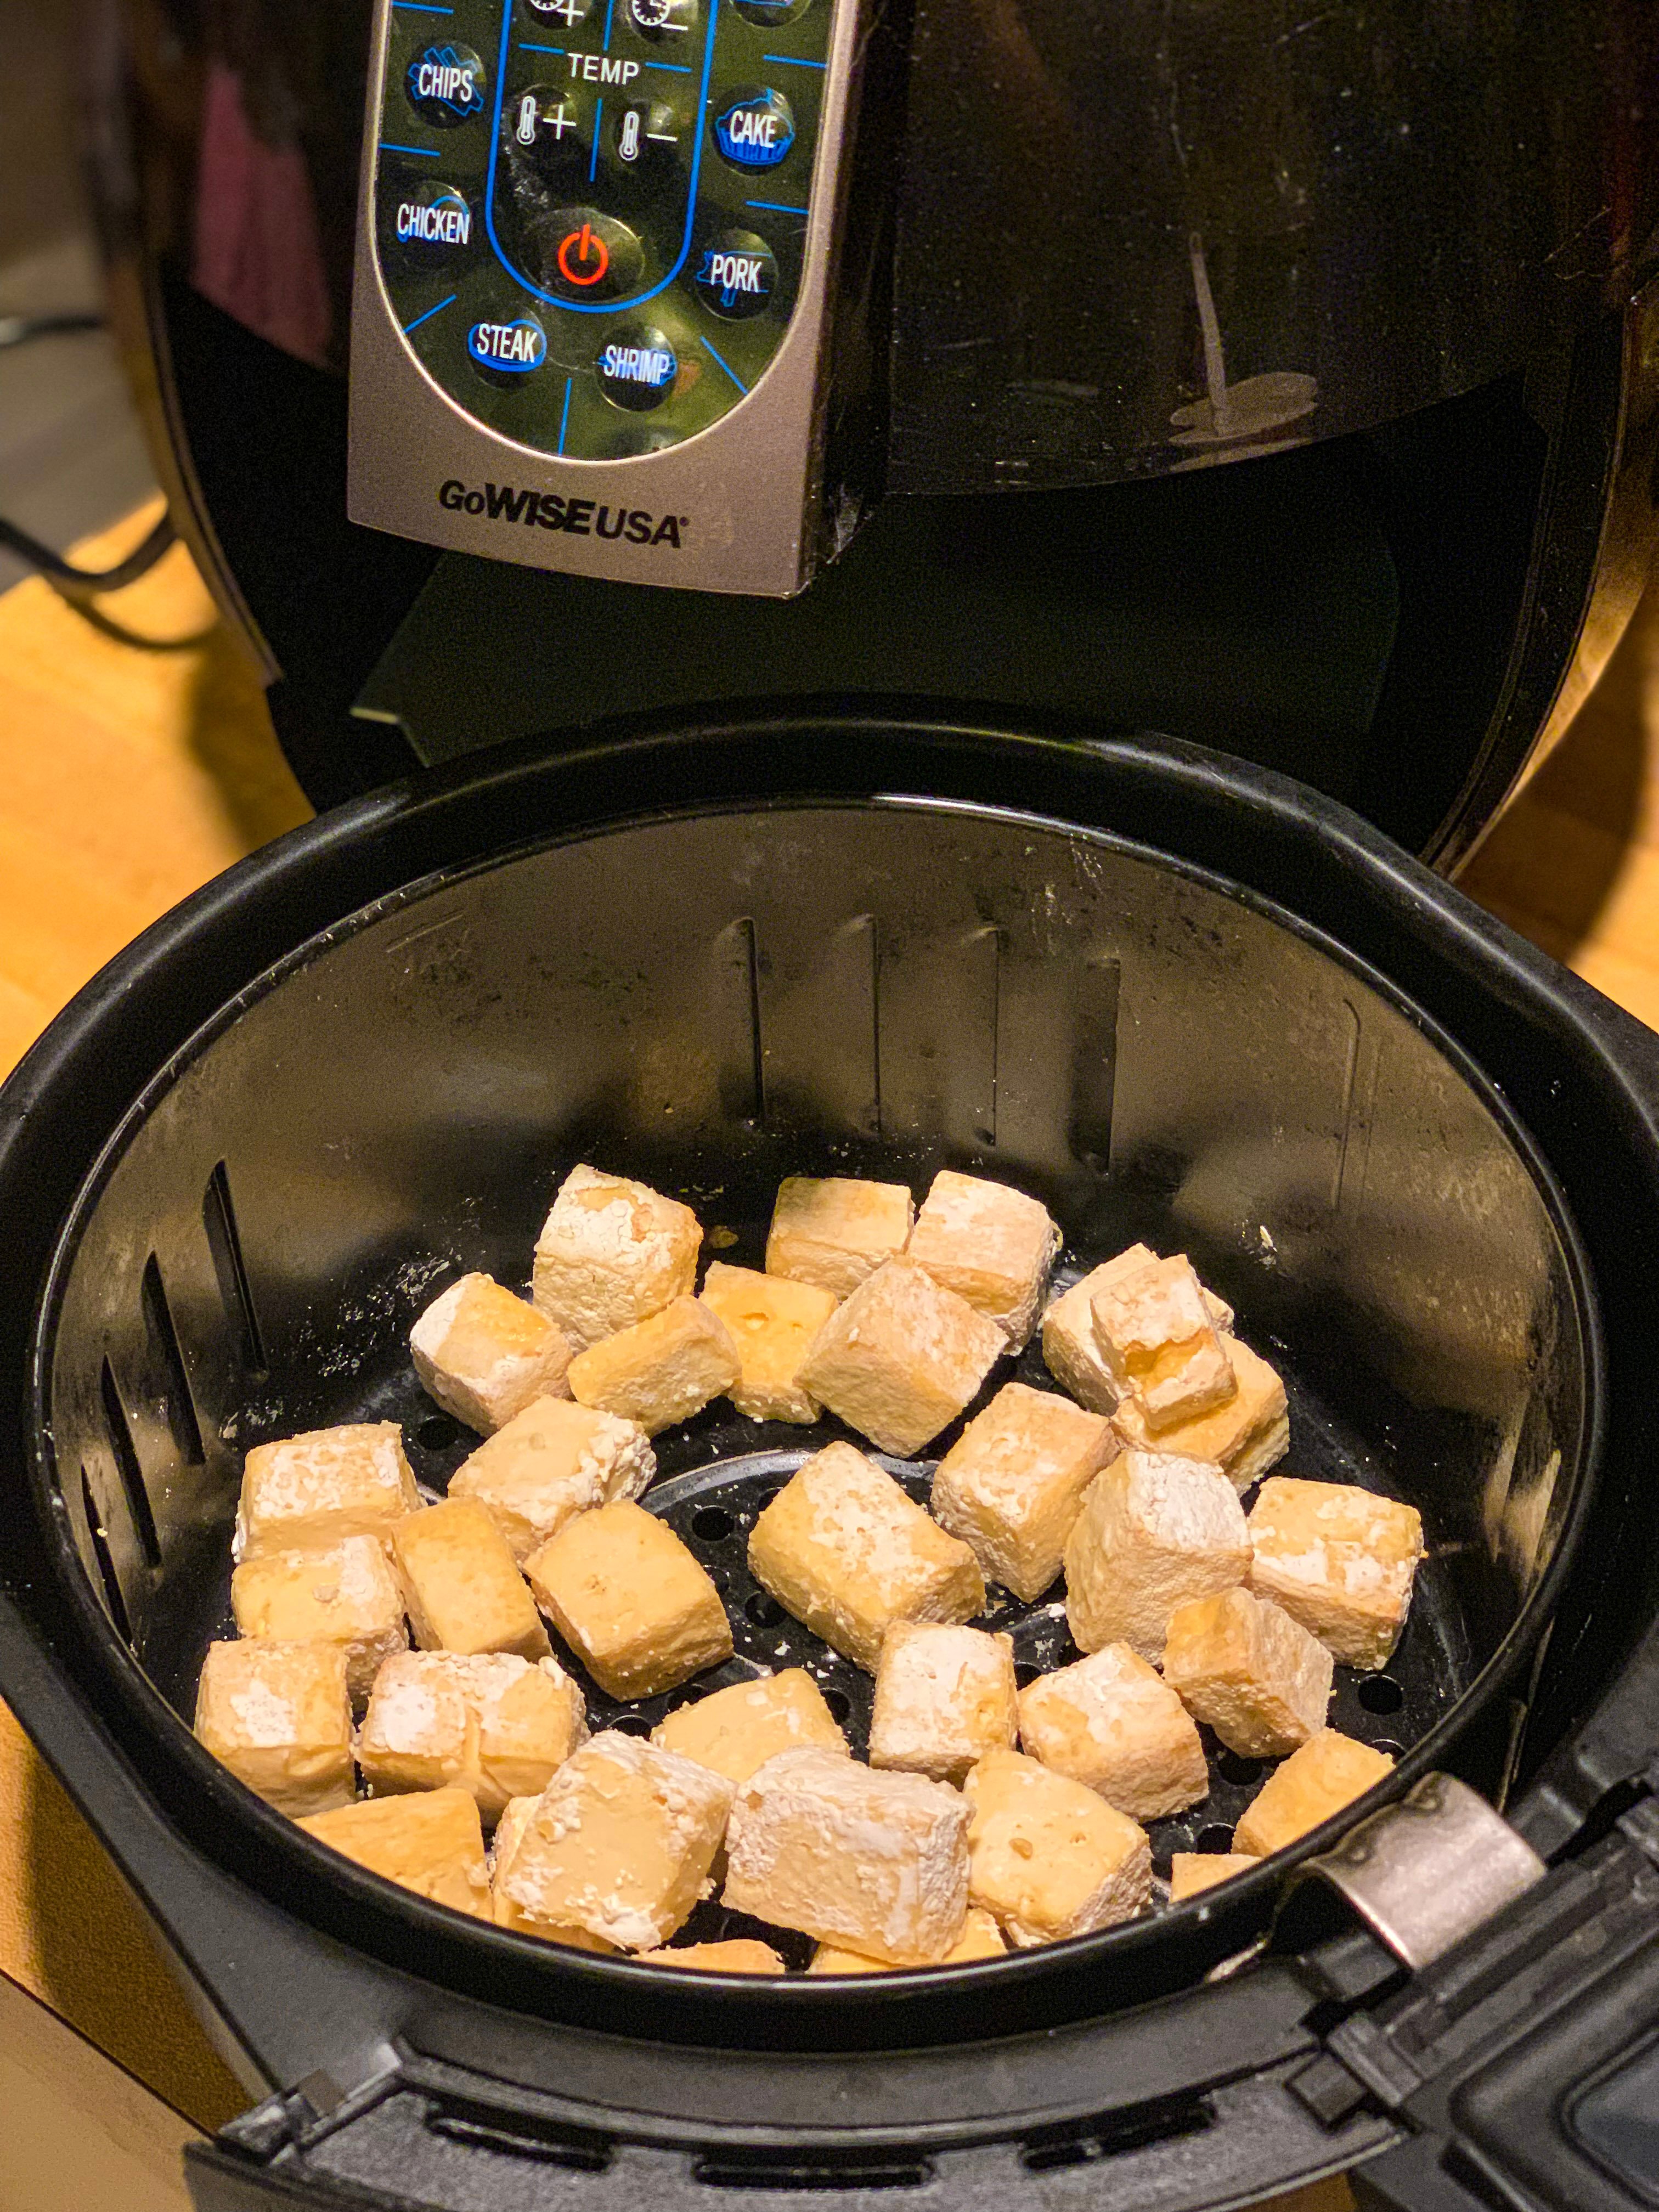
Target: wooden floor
(132, 776)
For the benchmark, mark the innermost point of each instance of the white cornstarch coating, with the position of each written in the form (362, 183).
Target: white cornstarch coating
(484, 1354)
(902, 1357)
(554, 1459)
(612, 1252)
(343, 1594)
(1154, 1332)
(1109, 1721)
(1049, 1855)
(737, 1730)
(1070, 1349)
(1244, 1436)
(494, 1725)
(991, 1245)
(834, 1230)
(277, 1715)
(944, 1696)
(314, 1489)
(1012, 1484)
(1340, 1560)
(662, 1370)
(773, 1322)
(1249, 1672)
(1155, 1531)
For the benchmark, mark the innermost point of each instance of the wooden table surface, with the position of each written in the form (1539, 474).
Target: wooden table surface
(132, 776)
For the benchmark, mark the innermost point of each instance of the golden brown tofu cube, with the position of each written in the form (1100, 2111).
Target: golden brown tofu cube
(1243, 1438)
(461, 1584)
(844, 1549)
(991, 1245)
(508, 1830)
(833, 1231)
(1339, 1559)
(876, 1861)
(1070, 1351)
(902, 1357)
(554, 1459)
(739, 1954)
(1154, 1333)
(484, 1355)
(944, 1696)
(1329, 1771)
(343, 1594)
(1109, 1721)
(773, 1321)
(1249, 1672)
(611, 1252)
(661, 1370)
(1048, 1856)
(1155, 1532)
(980, 1938)
(1190, 1872)
(431, 1843)
(277, 1716)
(1011, 1485)
(630, 1601)
(737, 1729)
(493, 1723)
(314, 1489)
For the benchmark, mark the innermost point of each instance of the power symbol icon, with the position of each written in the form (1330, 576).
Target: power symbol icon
(583, 256)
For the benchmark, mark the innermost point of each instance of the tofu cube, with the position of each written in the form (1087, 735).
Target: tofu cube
(1070, 1351)
(1109, 1721)
(1249, 1672)
(1159, 1345)
(314, 1489)
(834, 1230)
(630, 1601)
(773, 1321)
(1329, 1771)
(1012, 1484)
(1049, 1855)
(844, 1549)
(661, 1370)
(739, 1954)
(492, 1724)
(1190, 1872)
(508, 1830)
(1340, 1560)
(991, 1245)
(484, 1355)
(876, 1861)
(612, 1253)
(620, 1842)
(900, 1358)
(277, 1715)
(461, 1584)
(343, 1594)
(1243, 1438)
(944, 1696)
(1155, 1532)
(980, 1938)
(738, 1729)
(554, 1459)
(432, 1844)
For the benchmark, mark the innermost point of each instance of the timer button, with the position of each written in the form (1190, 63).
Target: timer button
(636, 367)
(737, 275)
(506, 351)
(664, 22)
(754, 128)
(567, 13)
(771, 13)
(446, 84)
(588, 255)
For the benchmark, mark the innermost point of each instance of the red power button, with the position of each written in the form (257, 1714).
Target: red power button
(583, 256)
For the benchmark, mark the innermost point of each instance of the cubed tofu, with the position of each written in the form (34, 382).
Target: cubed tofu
(1012, 1484)
(554, 1459)
(312, 1490)
(1070, 1351)
(1340, 1560)
(630, 1601)
(493, 1723)
(620, 1842)
(612, 1253)
(1329, 1771)
(484, 1355)
(661, 1370)
(343, 1594)
(900, 1358)
(980, 1938)
(738, 1729)
(739, 1955)
(1193, 1871)
(277, 1715)
(1249, 1672)
(844, 1549)
(1154, 1333)
(833, 1231)
(1048, 1856)
(1109, 1721)
(773, 1321)
(1243, 1438)
(876, 1861)
(944, 1696)
(462, 1585)
(1155, 1532)
(991, 1245)
(431, 1843)
(508, 1830)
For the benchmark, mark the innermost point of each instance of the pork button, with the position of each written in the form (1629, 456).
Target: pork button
(735, 275)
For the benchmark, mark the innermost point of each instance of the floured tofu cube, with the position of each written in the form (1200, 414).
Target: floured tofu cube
(876, 1861)
(738, 1729)
(461, 1584)
(944, 1696)
(1249, 1672)
(1070, 1351)
(1340, 1560)
(739, 1955)
(1328, 1771)
(1012, 1484)
(493, 1723)
(343, 1594)
(1155, 1532)
(661, 1370)
(508, 1830)
(833, 1231)
(620, 1842)
(844, 1549)
(431, 1843)
(630, 1601)
(1110, 1722)
(900, 1358)
(1048, 1856)
(1243, 1438)
(1159, 1345)
(316, 1488)
(277, 1715)
(991, 1245)
(773, 1321)
(1191, 1872)
(484, 1354)
(554, 1459)
(980, 1938)
(611, 1252)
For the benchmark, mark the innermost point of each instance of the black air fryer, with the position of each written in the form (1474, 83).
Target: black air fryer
(771, 790)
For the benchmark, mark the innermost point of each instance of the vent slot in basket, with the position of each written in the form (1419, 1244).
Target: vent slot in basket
(219, 1219)
(164, 1341)
(127, 1464)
